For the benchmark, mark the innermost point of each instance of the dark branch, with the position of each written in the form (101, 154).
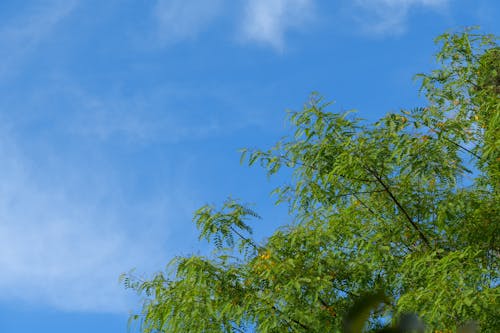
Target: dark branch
(357, 193)
(463, 148)
(295, 321)
(248, 240)
(401, 208)
(327, 307)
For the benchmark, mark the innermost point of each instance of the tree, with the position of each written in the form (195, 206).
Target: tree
(406, 208)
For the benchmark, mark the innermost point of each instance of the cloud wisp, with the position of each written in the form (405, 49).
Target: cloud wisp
(63, 243)
(184, 19)
(383, 17)
(267, 21)
(69, 222)
(22, 34)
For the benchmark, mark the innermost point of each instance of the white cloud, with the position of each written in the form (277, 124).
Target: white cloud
(20, 35)
(68, 225)
(266, 21)
(380, 17)
(64, 242)
(181, 19)
(166, 114)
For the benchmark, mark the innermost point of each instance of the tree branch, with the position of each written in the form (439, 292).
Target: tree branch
(328, 307)
(462, 147)
(401, 208)
(248, 240)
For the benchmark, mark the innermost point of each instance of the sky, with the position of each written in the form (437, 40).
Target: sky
(118, 119)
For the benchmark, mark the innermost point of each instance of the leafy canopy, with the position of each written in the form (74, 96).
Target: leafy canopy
(406, 208)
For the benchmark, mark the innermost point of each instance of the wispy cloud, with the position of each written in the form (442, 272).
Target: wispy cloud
(69, 222)
(169, 113)
(380, 17)
(181, 19)
(67, 231)
(28, 27)
(267, 21)
(257, 21)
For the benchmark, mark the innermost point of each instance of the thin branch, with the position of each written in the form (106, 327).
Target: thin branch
(295, 321)
(438, 131)
(463, 148)
(365, 205)
(328, 307)
(356, 193)
(274, 308)
(248, 240)
(401, 208)
(350, 293)
(371, 211)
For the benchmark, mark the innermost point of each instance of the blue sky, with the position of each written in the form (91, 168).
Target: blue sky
(119, 118)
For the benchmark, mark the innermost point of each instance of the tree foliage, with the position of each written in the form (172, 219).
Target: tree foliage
(406, 208)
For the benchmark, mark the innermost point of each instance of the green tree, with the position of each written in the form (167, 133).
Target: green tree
(407, 207)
